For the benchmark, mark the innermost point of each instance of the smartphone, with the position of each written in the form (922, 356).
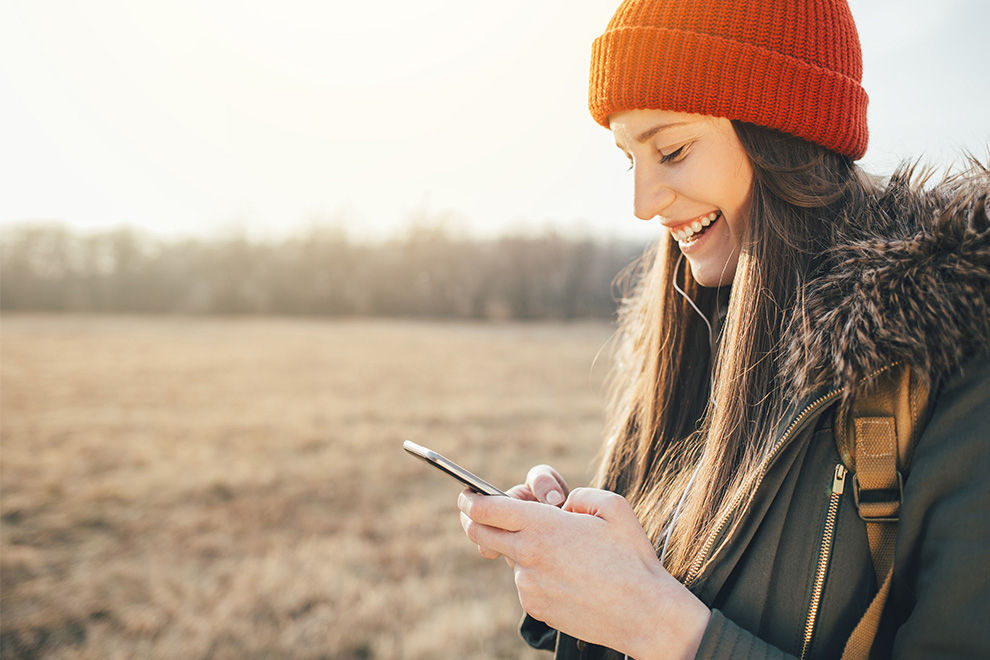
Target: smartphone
(469, 479)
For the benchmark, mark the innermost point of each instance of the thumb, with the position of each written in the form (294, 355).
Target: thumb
(596, 502)
(620, 517)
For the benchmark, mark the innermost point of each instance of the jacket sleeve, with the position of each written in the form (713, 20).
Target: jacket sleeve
(941, 590)
(724, 639)
(537, 634)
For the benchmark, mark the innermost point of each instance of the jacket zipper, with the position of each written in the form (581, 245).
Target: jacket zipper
(824, 555)
(706, 549)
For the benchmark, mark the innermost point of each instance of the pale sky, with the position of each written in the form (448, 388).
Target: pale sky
(202, 117)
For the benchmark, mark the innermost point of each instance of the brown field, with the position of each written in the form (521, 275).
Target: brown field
(189, 488)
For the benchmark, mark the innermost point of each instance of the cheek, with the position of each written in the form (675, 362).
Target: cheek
(737, 195)
(731, 175)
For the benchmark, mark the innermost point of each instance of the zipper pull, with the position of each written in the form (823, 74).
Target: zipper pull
(839, 482)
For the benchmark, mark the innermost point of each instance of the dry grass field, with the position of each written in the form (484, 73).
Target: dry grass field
(236, 488)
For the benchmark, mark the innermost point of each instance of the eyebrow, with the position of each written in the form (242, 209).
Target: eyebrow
(650, 132)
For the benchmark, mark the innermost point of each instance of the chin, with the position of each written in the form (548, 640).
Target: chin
(713, 275)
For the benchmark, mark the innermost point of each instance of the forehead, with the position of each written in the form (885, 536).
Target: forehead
(632, 126)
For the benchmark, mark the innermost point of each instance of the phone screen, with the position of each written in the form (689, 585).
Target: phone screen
(469, 479)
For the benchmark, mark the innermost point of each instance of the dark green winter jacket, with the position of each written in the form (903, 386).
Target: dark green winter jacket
(911, 284)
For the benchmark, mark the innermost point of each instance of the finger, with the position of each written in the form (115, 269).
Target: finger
(503, 513)
(493, 539)
(547, 485)
(511, 563)
(596, 502)
(614, 511)
(488, 554)
(521, 492)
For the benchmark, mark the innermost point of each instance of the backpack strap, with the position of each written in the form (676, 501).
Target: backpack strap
(876, 435)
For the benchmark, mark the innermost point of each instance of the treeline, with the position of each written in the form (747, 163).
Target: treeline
(425, 273)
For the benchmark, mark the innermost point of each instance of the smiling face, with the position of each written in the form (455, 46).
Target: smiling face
(692, 175)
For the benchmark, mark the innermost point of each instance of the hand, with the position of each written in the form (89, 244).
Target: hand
(588, 570)
(543, 484)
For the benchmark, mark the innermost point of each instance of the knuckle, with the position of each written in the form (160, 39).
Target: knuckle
(613, 499)
(624, 506)
(465, 504)
(471, 528)
(614, 502)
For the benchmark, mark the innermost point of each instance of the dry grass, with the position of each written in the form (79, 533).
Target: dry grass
(181, 488)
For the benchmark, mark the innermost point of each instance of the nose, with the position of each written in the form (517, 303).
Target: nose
(651, 193)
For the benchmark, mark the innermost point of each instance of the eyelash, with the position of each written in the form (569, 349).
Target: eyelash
(664, 158)
(672, 155)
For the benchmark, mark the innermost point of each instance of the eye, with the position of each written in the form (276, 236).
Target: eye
(673, 156)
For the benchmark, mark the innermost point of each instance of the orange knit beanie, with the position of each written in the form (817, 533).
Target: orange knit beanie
(792, 65)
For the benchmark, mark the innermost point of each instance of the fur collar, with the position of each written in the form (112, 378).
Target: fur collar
(908, 280)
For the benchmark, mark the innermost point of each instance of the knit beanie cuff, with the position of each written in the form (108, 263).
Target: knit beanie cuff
(646, 67)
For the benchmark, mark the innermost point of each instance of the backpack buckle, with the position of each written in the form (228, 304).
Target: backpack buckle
(879, 504)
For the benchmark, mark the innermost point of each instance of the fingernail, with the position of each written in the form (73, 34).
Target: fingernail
(555, 497)
(461, 501)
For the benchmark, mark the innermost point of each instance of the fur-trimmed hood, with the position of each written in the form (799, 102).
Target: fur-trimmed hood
(909, 280)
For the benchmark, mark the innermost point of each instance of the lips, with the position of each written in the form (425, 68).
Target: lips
(690, 230)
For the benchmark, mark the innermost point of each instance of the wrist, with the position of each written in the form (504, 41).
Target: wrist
(672, 624)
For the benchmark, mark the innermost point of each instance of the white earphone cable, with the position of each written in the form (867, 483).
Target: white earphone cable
(680, 502)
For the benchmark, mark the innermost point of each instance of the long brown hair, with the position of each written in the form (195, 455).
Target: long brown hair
(675, 406)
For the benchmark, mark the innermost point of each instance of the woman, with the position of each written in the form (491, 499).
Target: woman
(721, 524)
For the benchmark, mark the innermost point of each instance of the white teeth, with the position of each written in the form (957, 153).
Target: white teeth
(687, 231)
